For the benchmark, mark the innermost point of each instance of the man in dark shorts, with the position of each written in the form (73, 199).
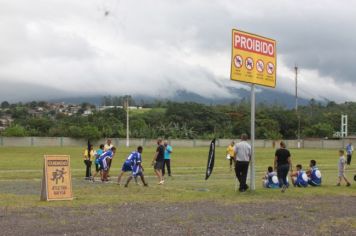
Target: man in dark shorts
(282, 163)
(158, 160)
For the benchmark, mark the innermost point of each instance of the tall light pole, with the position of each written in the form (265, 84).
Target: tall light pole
(344, 126)
(127, 122)
(296, 102)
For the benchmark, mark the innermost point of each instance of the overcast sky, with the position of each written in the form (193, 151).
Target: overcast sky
(61, 48)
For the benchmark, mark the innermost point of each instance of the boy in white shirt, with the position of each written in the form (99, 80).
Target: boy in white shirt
(342, 163)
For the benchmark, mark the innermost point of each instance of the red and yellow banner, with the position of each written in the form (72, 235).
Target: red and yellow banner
(253, 59)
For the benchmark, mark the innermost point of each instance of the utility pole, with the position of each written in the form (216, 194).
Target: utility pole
(296, 102)
(127, 122)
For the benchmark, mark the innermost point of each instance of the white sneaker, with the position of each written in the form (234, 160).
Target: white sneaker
(161, 182)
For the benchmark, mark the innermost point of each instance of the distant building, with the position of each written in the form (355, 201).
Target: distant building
(87, 112)
(5, 122)
(102, 108)
(74, 109)
(35, 113)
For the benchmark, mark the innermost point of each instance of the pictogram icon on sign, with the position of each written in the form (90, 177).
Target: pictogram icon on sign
(270, 68)
(260, 65)
(238, 61)
(249, 63)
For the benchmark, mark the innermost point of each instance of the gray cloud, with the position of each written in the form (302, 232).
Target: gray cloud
(156, 48)
(15, 91)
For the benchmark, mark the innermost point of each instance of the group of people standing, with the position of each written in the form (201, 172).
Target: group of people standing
(91, 155)
(133, 163)
(277, 177)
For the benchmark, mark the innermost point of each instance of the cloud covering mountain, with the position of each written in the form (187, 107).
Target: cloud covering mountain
(65, 48)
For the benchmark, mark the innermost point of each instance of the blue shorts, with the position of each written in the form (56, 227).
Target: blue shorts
(299, 184)
(103, 165)
(136, 171)
(312, 183)
(126, 167)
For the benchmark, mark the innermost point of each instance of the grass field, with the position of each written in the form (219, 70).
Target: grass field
(21, 172)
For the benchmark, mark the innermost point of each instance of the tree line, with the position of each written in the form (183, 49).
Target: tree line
(182, 120)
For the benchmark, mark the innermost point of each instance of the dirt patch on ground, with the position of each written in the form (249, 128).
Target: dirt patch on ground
(322, 216)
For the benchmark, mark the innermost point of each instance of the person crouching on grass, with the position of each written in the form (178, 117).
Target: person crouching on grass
(137, 169)
(314, 174)
(270, 180)
(342, 163)
(157, 161)
(299, 177)
(103, 162)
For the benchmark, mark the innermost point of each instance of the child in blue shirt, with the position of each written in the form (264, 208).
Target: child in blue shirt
(299, 178)
(314, 174)
(97, 154)
(270, 180)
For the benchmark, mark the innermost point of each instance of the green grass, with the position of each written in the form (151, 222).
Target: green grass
(21, 171)
(145, 110)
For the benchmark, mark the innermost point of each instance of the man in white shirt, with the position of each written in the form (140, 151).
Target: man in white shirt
(108, 146)
(243, 156)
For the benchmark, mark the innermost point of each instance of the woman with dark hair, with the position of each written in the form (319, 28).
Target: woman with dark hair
(88, 156)
(282, 164)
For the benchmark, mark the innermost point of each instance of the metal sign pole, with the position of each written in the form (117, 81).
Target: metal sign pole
(252, 161)
(127, 123)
